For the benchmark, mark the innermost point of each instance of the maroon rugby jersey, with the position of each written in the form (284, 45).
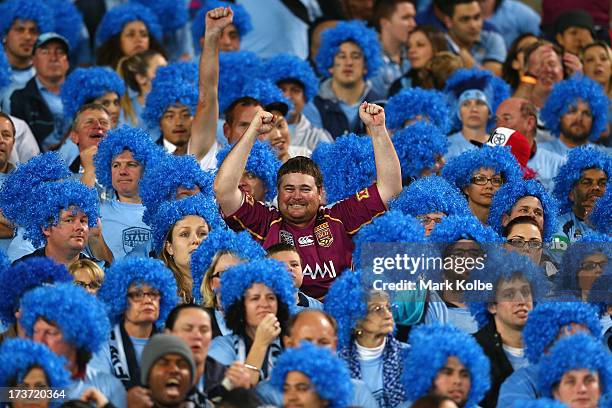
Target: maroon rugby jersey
(325, 245)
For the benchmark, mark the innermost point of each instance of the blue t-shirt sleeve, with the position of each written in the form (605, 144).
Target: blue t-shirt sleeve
(362, 397)
(495, 47)
(222, 349)
(269, 394)
(520, 386)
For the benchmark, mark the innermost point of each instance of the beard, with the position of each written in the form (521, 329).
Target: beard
(575, 135)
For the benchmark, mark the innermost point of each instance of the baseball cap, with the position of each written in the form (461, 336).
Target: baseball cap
(51, 36)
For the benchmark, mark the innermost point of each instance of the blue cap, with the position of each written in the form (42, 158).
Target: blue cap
(51, 36)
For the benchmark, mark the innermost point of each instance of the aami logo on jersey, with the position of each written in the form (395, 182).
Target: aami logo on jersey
(134, 236)
(306, 240)
(327, 271)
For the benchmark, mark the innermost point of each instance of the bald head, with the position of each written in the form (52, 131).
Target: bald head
(518, 114)
(314, 326)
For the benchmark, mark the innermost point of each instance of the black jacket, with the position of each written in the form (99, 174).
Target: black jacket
(491, 342)
(29, 105)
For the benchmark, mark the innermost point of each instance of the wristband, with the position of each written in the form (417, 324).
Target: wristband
(528, 79)
(252, 367)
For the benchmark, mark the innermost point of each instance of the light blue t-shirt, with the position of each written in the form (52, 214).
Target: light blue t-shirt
(350, 111)
(4, 242)
(372, 375)
(546, 164)
(516, 357)
(457, 144)
(122, 226)
(20, 77)
(55, 105)
(520, 386)
(490, 47)
(514, 18)
(108, 385)
(139, 345)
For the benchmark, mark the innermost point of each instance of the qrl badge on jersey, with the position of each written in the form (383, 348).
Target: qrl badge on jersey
(363, 194)
(323, 235)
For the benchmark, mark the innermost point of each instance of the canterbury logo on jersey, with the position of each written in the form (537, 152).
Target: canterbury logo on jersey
(306, 240)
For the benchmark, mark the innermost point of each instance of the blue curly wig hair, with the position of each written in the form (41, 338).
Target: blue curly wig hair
(179, 71)
(600, 295)
(240, 244)
(566, 94)
(391, 227)
(266, 92)
(168, 172)
(49, 199)
(5, 70)
(429, 195)
(347, 313)
(327, 372)
(137, 271)
(589, 244)
(32, 272)
(171, 15)
(170, 212)
(135, 140)
(503, 266)
(460, 169)
(495, 89)
(26, 10)
(347, 165)
(262, 162)
(578, 159)
(80, 316)
(241, 20)
(576, 352)
(452, 228)
(16, 191)
(236, 69)
(547, 319)
(165, 94)
(18, 356)
(116, 18)
(287, 67)
(84, 85)
(432, 346)
(270, 272)
(418, 146)
(354, 31)
(601, 215)
(509, 194)
(410, 103)
(68, 20)
(539, 403)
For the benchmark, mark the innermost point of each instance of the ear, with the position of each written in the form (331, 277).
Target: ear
(141, 79)
(226, 130)
(559, 38)
(492, 308)
(74, 137)
(288, 342)
(571, 195)
(46, 231)
(532, 123)
(331, 70)
(505, 220)
(448, 22)
(515, 64)
(169, 249)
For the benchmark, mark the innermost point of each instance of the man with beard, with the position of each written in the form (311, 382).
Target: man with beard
(576, 113)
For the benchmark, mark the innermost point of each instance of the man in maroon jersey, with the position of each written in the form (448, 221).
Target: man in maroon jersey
(322, 236)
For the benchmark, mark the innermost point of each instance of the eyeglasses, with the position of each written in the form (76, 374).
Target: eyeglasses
(466, 253)
(139, 296)
(426, 219)
(93, 285)
(520, 243)
(589, 266)
(381, 310)
(496, 181)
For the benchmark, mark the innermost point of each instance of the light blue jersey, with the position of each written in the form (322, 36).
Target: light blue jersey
(122, 226)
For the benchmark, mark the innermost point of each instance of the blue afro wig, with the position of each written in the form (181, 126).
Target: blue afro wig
(270, 272)
(80, 316)
(391, 227)
(238, 243)
(327, 372)
(116, 18)
(49, 199)
(347, 165)
(566, 94)
(167, 173)
(601, 215)
(127, 271)
(287, 67)
(5, 70)
(460, 169)
(236, 69)
(26, 10)
(31, 273)
(495, 89)
(18, 356)
(432, 345)
(180, 71)
(347, 313)
(503, 266)
(170, 212)
(547, 319)
(68, 21)
(576, 352)
(164, 95)
(16, 191)
(429, 195)
(171, 14)
(578, 159)
(354, 31)
(410, 103)
(241, 20)
(571, 263)
(135, 140)
(418, 146)
(507, 196)
(455, 227)
(266, 92)
(539, 403)
(600, 295)
(84, 85)
(262, 162)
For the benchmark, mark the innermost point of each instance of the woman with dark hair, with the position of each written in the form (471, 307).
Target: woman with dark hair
(423, 43)
(514, 65)
(258, 298)
(126, 30)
